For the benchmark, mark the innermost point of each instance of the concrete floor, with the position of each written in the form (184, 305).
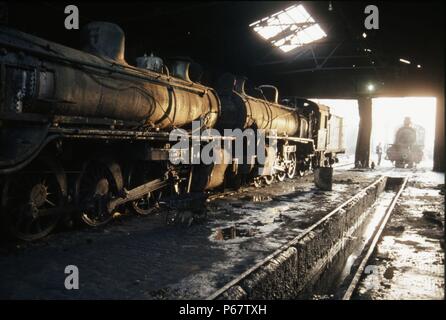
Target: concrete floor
(146, 258)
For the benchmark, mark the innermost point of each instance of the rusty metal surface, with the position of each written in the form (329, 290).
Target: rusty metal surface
(268, 115)
(239, 110)
(54, 79)
(104, 39)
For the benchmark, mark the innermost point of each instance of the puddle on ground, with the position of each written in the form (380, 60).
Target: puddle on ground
(258, 198)
(233, 232)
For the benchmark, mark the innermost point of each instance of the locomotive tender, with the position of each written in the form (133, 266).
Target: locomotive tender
(84, 134)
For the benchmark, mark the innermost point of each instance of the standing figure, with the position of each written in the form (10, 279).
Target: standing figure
(379, 152)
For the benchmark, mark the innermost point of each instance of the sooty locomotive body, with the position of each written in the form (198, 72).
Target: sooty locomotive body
(83, 134)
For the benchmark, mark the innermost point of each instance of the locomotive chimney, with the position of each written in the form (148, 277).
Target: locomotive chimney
(240, 85)
(226, 83)
(180, 68)
(195, 72)
(104, 39)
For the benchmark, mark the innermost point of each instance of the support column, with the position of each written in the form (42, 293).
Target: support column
(362, 153)
(439, 135)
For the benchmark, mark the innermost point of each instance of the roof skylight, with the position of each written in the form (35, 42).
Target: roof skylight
(289, 28)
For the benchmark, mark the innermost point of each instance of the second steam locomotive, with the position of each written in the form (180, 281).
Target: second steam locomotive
(407, 149)
(83, 134)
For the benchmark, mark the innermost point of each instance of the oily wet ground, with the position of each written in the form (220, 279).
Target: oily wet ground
(174, 254)
(148, 258)
(409, 260)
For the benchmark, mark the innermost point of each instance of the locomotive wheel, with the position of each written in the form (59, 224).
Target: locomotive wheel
(32, 200)
(258, 182)
(95, 186)
(291, 170)
(399, 164)
(268, 179)
(149, 203)
(237, 182)
(281, 175)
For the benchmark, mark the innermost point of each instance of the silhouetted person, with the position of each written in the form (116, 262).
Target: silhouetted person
(379, 152)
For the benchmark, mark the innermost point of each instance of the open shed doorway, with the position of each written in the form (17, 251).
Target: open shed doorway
(388, 115)
(348, 109)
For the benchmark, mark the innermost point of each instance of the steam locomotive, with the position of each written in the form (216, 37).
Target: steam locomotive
(83, 134)
(407, 149)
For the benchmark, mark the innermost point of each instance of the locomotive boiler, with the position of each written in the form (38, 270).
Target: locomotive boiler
(239, 110)
(47, 78)
(304, 139)
(84, 135)
(41, 78)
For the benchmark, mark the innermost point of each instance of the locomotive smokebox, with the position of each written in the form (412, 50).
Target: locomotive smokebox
(226, 83)
(104, 39)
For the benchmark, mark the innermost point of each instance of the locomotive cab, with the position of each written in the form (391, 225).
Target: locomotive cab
(329, 133)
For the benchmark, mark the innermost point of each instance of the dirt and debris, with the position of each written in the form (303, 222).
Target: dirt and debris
(149, 258)
(344, 181)
(434, 217)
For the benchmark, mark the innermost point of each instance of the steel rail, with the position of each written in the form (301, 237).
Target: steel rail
(359, 271)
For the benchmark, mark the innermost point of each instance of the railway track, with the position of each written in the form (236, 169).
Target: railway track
(364, 257)
(355, 280)
(341, 165)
